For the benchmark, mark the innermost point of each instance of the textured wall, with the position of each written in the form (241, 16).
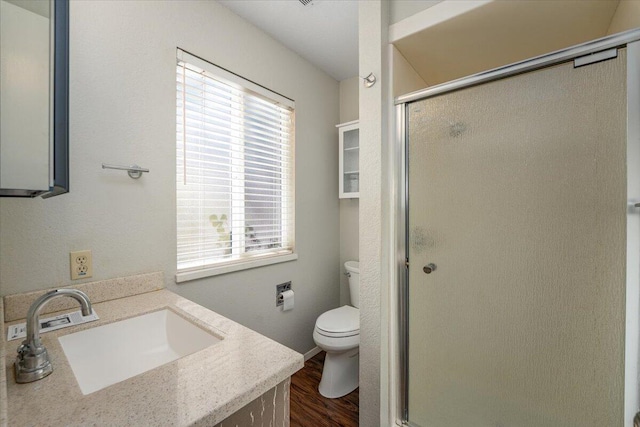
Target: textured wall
(373, 24)
(349, 225)
(122, 96)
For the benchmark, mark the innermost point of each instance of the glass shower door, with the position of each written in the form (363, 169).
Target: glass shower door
(517, 196)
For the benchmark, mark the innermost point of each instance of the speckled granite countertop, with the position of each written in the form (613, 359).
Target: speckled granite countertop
(200, 389)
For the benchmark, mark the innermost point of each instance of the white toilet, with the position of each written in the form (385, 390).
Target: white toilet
(337, 332)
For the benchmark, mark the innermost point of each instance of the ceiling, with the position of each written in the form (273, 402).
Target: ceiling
(324, 32)
(502, 32)
(491, 35)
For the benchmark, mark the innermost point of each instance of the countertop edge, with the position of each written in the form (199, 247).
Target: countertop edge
(240, 402)
(3, 374)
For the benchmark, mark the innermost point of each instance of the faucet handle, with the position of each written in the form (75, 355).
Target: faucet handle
(28, 349)
(22, 349)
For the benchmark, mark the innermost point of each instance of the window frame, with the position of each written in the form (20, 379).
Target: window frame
(266, 258)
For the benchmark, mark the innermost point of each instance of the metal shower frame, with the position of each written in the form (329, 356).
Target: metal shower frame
(630, 40)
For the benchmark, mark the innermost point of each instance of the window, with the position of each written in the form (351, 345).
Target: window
(234, 192)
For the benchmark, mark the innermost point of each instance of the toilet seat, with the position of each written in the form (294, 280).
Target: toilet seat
(340, 322)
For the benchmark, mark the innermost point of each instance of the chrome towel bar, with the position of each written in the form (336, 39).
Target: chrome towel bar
(134, 171)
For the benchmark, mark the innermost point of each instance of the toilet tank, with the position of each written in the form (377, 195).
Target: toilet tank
(353, 271)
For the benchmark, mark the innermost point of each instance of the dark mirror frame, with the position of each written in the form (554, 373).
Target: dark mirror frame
(61, 99)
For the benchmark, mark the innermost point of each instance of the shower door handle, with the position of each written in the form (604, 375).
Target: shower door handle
(429, 268)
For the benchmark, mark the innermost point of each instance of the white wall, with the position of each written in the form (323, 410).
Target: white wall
(405, 78)
(373, 24)
(401, 9)
(349, 225)
(349, 102)
(627, 16)
(122, 95)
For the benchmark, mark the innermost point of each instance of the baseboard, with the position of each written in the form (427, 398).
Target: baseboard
(309, 354)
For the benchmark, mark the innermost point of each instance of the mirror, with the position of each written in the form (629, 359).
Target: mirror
(34, 98)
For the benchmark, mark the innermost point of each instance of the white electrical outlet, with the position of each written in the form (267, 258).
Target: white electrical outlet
(81, 265)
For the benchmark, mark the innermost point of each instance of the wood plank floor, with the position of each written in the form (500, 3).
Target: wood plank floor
(310, 409)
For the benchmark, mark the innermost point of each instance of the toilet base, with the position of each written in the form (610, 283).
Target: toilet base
(340, 373)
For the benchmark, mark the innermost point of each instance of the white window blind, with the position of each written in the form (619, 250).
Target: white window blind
(235, 143)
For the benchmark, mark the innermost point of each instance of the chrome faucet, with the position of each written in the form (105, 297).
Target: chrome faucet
(33, 362)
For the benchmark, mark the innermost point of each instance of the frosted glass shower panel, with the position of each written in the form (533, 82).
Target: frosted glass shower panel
(517, 193)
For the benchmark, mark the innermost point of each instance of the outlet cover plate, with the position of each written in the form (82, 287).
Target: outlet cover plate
(81, 264)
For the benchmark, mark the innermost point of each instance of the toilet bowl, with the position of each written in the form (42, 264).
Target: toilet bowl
(337, 332)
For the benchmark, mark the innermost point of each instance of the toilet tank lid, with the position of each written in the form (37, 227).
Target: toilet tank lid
(352, 266)
(342, 319)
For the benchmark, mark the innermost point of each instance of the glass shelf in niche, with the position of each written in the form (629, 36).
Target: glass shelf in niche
(351, 139)
(349, 160)
(351, 182)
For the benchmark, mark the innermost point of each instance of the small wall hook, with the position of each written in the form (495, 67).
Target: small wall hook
(369, 81)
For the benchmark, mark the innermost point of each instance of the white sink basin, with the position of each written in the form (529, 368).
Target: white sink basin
(105, 355)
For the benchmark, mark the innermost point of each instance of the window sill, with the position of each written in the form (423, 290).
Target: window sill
(186, 276)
